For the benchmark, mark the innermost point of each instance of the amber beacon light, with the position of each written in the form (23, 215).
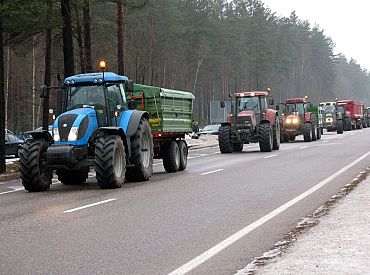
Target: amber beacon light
(102, 65)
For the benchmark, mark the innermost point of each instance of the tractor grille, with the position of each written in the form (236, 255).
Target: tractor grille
(244, 121)
(64, 125)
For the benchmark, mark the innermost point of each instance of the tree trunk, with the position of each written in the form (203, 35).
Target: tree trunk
(7, 86)
(33, 84)
(120, 38)
(87, 35)
(47, 75)
(2, 99)
(80, 41)
(69, 68)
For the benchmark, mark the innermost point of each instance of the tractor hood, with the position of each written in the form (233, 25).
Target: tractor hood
(246, 118)
(72, 127)
(292, 120)
(246, 113)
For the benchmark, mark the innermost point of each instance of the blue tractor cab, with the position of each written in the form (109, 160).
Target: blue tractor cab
(97, 128)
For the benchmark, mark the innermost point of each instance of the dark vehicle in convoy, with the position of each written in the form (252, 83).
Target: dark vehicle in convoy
(298, 117)
(366, 117)
(250, 121)
(209, 129)
(12, 143)
(332, 116)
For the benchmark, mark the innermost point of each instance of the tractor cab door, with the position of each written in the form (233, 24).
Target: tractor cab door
(117, 102)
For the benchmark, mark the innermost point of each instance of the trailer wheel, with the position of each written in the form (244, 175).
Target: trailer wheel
(339, 126)
(238, 146)
(347, 123)
(110, 162)
(34, 177)
(276, 133)
(265, 137)
(183, 155)
(224, 139)
(72, 177)
(307, 132)
(318, 134)
(141, 154)
(171, 157)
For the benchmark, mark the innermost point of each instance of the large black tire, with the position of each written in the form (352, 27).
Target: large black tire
(110, 162)
(265, 137)
(276, 135)
(314, 131)
(340, 126)
(348, 126)
(68, 177)
(32, 153)
(141, 154)
(171, 157)
(183, 148)
(238, 146)
(292, 138)
(224, 139)
(318, 134)
(307, 132)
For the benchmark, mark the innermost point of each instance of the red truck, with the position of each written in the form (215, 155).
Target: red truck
(353, 114)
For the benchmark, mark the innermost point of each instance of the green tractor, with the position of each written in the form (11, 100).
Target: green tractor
(331, 116)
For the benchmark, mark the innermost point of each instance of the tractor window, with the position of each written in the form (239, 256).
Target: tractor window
(263, 103)
(328, 108)
(295, 108)
(249, 103)
(114, 96)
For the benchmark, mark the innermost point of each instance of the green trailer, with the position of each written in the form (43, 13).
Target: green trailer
(171, 118)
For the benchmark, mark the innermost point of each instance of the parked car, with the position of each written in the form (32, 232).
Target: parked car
(209, 129)
(12, 144)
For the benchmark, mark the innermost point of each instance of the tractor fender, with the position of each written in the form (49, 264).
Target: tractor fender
(271, 116)
(41, 135)
(225, 124)
(134, 121)
(102, 131)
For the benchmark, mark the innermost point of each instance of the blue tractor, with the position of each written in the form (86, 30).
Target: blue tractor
(98, 128)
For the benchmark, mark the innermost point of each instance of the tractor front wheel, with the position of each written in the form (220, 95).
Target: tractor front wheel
(307, 132)
(224, 139)
(34, 177)
(141, 154)
(340, 127)
(265, 137)
(314, 130)
(110, 162)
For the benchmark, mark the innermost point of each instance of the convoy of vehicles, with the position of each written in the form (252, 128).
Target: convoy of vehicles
(117, 127)
(250, 121)
(299, 117)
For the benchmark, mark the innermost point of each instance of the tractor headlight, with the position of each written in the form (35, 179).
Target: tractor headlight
(295, 120)
(73, 134)
(288, 120)
(56, 134)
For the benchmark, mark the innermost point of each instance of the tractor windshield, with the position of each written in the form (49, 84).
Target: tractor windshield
(328, 108)
(84, 96)
(294, 108)
(248, 103)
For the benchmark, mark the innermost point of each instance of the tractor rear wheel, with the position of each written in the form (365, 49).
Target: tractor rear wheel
(238, 146)
(72, 177)
(307, 132)
(141, 154)
(183, 148)
(276, 133)
(265, 137)
(224, 139)
(34, 177)
(110, 162)
(171, 157)
(340, 126)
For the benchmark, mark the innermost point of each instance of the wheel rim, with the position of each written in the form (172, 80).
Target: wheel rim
(184, 155)
(118, 159)
(145, 150)
(177, 158)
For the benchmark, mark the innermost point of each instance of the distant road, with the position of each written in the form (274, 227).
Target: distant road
(233, 207)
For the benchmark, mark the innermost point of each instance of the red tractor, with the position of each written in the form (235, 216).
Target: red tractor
(298, 117)
(251, 121)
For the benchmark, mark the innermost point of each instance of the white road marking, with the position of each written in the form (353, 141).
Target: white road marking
(15, 189)
(189, 266)
(340, 137)
(304, 147)
(325, 141)
(210, 172)
(89, 205)
(267, 157)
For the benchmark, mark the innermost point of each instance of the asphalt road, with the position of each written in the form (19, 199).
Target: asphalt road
(163, 225)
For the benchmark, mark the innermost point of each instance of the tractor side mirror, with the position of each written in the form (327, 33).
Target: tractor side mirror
(271, 101)
(129, 86)
(222, 104)
(277, 107)
(43, 91)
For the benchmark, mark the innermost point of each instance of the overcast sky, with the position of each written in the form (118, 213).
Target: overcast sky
(346, 22)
